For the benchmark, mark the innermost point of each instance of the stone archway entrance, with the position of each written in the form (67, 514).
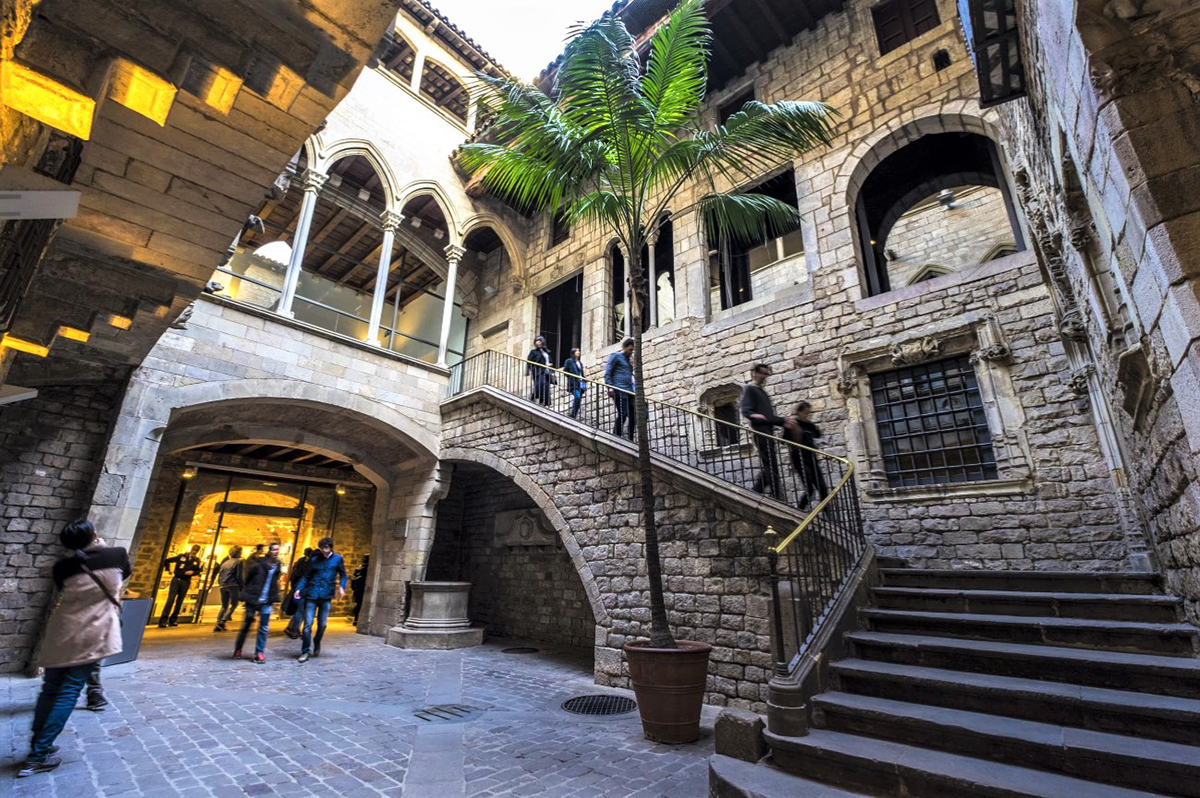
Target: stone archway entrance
(492, 533)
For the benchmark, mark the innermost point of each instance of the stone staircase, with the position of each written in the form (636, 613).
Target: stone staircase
(1003, 684)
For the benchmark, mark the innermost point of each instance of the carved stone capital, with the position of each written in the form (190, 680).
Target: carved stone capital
(847, 384)
(314, 181)
(391, 221)
(913, 353)
(454, 252)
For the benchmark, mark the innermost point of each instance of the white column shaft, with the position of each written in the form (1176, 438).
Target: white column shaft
(447, 310)
(381, 278)
(291, 278)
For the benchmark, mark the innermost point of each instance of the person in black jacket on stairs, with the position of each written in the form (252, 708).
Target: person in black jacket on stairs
(757, 408)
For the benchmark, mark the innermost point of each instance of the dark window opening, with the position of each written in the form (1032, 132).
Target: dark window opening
(994, 43)
(618, 294)
(727, 435)
(932, 426)
(941, 60)
(561, 312)
(898, 22)
(741, 265)
(733, 105)
(560, 231)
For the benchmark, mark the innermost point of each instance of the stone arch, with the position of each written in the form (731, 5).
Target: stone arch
(513, 247)
(431, 188)
(901, 131)
(148, 410)
(546, 504)
(928, 272)
(347, 148)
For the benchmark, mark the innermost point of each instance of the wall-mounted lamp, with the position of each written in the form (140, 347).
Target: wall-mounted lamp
(190, 472)
(340, 490)
(946, 198)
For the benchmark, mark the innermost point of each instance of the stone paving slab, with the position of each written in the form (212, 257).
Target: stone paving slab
(187, 720)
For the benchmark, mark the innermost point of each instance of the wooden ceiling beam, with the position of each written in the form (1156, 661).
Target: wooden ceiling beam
(350, 241)
(773, 21)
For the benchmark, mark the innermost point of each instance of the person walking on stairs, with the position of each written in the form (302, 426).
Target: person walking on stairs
(187, 566)
(757, 408)
(84, 628)
(575, 383)
(805, 461)
(618, 374)
(260, 593)
(326, 576)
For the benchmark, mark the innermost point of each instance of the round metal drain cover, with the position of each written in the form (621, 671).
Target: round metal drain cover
(599, 705)
(519, 650)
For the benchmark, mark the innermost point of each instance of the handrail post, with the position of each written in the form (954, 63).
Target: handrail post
(781, 658)
(487, 368)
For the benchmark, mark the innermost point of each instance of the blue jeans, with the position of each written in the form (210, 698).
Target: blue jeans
(60, 690)
(263, 611)
(319, 608)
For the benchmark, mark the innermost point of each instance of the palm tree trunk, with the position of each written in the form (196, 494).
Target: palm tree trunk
(660, 632)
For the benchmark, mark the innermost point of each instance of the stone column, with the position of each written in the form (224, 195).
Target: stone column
(454, 254)
(313, 181)
(390, 222)
(418, 68)
(651, 277)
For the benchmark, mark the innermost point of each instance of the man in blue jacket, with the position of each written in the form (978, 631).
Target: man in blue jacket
(326, 574)
(618, 374)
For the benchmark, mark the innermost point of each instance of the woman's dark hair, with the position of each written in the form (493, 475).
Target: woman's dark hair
(308, 552)
(576, 349)
(800, 408)
(539, 338)
(78, 534)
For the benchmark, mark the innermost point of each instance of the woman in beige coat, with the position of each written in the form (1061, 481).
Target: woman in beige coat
(84, 628)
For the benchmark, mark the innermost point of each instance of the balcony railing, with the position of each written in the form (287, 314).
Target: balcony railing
(809, 567)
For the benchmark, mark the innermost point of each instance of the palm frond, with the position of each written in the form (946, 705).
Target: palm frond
(677, 70)
(746, 217)
(760, 136)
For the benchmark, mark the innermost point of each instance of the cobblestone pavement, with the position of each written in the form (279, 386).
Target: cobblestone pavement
(186, 720)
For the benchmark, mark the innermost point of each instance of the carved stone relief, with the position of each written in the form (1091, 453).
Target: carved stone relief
(522, 528)
(913, 353)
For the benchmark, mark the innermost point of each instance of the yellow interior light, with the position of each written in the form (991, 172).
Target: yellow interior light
(74, 333)
(285, 87)
(8, 341)
(120, 322)
(141, 91)
(46, 100)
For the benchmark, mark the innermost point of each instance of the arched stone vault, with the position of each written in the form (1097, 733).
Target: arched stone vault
(546, 504)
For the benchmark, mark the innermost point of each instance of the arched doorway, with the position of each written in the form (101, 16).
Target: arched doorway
(525, 584)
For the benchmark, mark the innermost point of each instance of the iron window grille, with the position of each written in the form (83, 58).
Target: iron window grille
(932, 426)
(727, 435)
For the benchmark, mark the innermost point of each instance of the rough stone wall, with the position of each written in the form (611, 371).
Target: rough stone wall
(714, 561)
(1064, 514)
(952, 238)
(1107, 147)
(50, 448)
(530, 592)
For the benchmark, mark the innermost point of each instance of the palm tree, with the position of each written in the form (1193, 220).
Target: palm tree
(613, 145)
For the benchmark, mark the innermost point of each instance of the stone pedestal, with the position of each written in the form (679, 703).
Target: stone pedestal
(437, 618)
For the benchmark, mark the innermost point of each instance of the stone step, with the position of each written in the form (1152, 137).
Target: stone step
(733, 778)
(887, 768)
(1037, 581)
(1147, 715)
(1177, 639)
(1095, 756)
(1164, 675)
(1147, 608)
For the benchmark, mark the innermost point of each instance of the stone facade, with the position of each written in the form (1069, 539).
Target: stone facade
(948, 239)
(49, 450)
(1106, 145)
(519, 591)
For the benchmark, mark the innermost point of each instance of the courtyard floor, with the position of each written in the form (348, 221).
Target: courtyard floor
(186, 720)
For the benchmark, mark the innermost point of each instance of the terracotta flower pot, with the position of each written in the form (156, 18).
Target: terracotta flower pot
(669, 684)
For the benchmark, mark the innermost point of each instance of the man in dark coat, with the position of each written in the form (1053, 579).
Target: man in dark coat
(259, 594)
(539, 369)
(805, 461)
(575, 383)
(757, 408)
(186, 566)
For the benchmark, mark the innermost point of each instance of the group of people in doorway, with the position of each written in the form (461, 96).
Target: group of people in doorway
(755, 406)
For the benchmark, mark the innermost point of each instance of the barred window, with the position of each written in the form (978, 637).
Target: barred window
(931, 424)
(727, 435)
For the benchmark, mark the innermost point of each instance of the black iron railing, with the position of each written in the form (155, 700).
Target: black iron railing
(809, 567)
